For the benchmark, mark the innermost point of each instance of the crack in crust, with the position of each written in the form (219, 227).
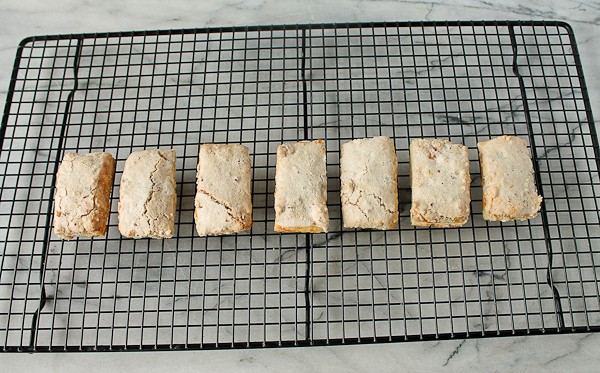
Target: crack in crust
(148, 195)
(236, 217)
(223, 200)
(362, 194)
(347, 201)
(381, 202)
(152, 190)
(93, 207)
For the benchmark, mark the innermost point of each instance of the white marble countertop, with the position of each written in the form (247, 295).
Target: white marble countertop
(572, 352)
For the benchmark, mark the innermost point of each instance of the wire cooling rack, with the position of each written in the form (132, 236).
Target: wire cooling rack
(261, 86)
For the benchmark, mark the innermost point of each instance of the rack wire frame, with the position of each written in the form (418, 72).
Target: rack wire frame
(264, 85)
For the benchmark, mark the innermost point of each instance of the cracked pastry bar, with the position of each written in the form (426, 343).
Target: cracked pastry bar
(223, 196)
(301, 188)
(507, 180)
(440, 181)
(82, 198)
(369, 183)
(148, 196)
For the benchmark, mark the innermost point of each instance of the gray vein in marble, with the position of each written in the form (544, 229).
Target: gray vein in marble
(561, 356)
(454, 353)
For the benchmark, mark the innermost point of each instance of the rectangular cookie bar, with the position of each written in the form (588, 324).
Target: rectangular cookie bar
(440, 181)
(369, 183)
(82, 199)
(223, 197)
(148, 195)
(507, 180)
(301, 188)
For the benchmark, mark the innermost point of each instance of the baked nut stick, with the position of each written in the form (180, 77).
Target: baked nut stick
(369, 183)
(82, 198)
(148, 195)
(440, 181)
(223, 197)
(301, 188)
(507, 180)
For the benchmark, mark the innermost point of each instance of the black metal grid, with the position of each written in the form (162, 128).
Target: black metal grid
(261, 86)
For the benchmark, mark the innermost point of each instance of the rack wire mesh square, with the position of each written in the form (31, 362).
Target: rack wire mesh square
(261, 86)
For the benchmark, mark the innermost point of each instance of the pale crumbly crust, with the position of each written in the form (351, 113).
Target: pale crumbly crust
(82, 198)
(440, 181)
(369, 183)
(507, 180)
(301, 188)
(223, 197)
(148, 196)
